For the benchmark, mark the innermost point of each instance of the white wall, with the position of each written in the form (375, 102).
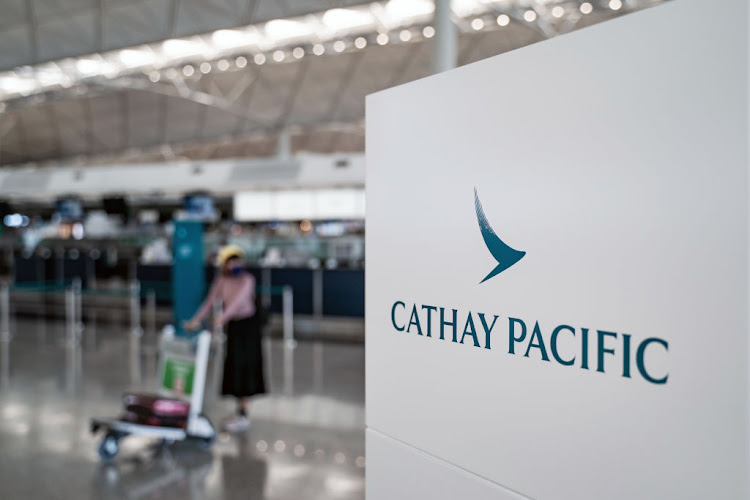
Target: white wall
(616, 157)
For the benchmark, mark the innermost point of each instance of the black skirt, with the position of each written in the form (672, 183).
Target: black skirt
(243, 363)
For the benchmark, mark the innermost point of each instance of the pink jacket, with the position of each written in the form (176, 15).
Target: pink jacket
(237, 295)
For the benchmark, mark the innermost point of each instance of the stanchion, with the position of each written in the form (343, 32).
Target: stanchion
(4, 335)
(265, 283)
(151, 313)
(135, 332)
(288, 313)
(135, 309)
(71, 327)
(4, 312)
(317, 291)
(78, 300)
(288, 370)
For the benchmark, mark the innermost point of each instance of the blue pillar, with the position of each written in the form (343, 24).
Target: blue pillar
(188, 277)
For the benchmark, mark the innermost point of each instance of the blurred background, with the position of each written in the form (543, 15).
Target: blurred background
(122, 120)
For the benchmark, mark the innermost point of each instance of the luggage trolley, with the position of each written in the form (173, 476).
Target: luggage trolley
(168, 415)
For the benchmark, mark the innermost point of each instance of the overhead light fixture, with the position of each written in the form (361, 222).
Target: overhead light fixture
(586, 8)
(227, 39)
(188, 70)
(90, 67)
(403, 9)
(259, 59)
(205, 68)
(529, 16)
(405, 35)
(285, 28)
(383, 39)
(466, 8)
(558, 11)
(279, 55)
(222, 65)
(49, 75)
(298, 53)
(241, 62)
(339, 46)
(477, 24)
(154, 76)
(360, 42)
(134, 58)
(178, 48)
(615, 4)
(319, 49)
(503, 20)
(428, 32)
(342, 19)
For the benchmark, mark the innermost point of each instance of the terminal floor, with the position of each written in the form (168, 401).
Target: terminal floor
(306, 440)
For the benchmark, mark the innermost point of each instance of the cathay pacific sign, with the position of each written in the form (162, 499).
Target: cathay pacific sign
(601, 350)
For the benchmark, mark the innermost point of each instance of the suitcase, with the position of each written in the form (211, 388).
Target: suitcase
(152, 409)
(153, 420)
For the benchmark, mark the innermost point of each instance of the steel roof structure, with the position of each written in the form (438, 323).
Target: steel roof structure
(98, 81)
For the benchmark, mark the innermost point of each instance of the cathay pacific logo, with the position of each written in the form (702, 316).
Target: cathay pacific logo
(503, 254)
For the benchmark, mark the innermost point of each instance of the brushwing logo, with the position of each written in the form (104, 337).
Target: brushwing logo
(503, 254)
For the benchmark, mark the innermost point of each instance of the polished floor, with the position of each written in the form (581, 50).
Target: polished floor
(306, 440)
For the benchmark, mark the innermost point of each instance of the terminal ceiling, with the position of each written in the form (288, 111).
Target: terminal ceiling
(63, 100)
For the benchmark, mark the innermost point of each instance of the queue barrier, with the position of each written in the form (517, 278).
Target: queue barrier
(135, 292)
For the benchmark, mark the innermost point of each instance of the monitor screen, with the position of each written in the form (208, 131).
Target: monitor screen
(200, 206)
(69, 209)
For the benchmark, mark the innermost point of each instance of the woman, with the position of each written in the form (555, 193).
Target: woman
(243, 364)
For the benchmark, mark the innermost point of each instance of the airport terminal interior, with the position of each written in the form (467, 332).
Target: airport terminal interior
(152, 148)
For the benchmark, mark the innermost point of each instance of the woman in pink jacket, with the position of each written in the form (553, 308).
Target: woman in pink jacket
(243, 364)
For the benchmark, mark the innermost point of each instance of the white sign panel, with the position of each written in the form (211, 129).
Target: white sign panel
(557, 287)
(300, 204)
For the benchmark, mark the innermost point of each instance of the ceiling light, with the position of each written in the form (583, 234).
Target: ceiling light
(171, 73)
(181, 48)
(154, 76)
(284, 28)
(503, 20)
(339, 46)
(587, 8)
(405, 35)
(466, 8)
(93, 67)
(188, 70)
(223, 65)
(16, 84)
(205, 67)
(615, 4)
(259, 59)
(278, 56)
(232, 38)
(360, 42)
(428, 31)
(319, 49)
(49, 75)
(558, 12)
(383, 39)
(342, 19)
(405, 9)
(134, 58)
(529, 16)
(298, 53)
(477, 24)
(241, 62)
